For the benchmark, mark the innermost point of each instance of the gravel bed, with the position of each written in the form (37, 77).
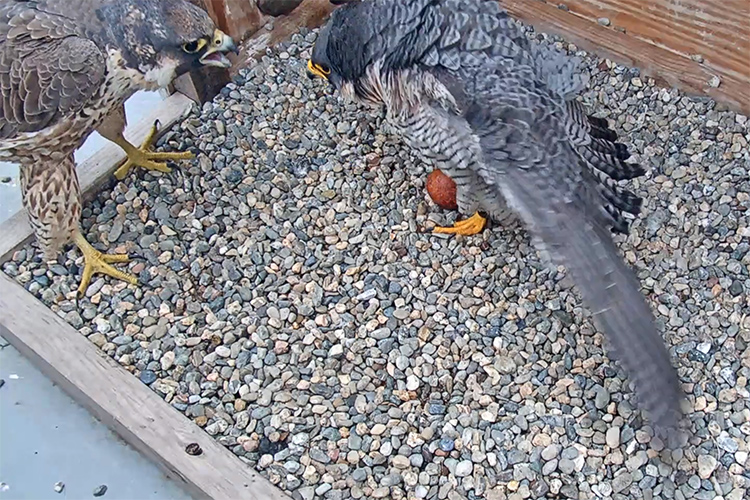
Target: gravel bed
(292, 305)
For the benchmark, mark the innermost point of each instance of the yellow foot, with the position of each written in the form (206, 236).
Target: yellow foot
(146, 158)
(97, 262)
(467, 227)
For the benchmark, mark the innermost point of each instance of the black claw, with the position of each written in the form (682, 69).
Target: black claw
(136, 256)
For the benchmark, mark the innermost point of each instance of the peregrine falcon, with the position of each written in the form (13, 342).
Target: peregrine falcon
(467, 90)
(66, 69)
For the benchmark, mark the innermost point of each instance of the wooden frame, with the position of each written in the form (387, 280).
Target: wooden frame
(138, 414)
(699, 46)
(117, 398)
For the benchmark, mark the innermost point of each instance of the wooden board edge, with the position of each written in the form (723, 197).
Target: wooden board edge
(96, 171)
(119, 400)
(665, 66)
(203, 84)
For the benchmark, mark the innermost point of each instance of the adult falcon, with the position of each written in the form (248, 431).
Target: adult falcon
(463, 86)
(66, 69)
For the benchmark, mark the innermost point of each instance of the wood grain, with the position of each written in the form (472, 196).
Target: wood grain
(719, 32)
(96, 171)
(309, 14)
(686, 31)
(114, 396)
(237, 18)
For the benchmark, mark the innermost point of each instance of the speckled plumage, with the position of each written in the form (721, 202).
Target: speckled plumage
(66, 69)
(468, 90)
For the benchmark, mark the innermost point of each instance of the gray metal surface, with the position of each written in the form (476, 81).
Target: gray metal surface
(46, 438)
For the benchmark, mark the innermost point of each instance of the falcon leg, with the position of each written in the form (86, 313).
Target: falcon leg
(143, 156)
(52, 198)
(97, 262)
(467, 227)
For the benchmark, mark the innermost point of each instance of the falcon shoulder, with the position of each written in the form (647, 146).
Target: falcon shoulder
(48, 68)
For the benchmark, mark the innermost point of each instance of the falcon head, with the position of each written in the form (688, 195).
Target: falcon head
(163, 39)
(338, 54)
(360, 46)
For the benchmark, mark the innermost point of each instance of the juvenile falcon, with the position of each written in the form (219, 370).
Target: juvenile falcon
(464, 86)
(66, 69)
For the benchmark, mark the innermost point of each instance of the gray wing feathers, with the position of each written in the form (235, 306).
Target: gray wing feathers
(556, 167)
(47, 69)
(562, 73)
(566, 227)
(515, 133)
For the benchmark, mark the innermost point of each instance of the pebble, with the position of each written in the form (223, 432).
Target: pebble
(148, 377)
(464, 468)
(613, 437)
(621, 482)
(706, 466)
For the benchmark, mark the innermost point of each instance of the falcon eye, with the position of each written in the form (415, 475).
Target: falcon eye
(194, 46)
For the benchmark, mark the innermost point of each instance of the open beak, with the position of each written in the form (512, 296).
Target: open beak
(314, 70)
(221, 43)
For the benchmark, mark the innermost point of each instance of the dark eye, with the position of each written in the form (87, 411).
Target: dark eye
(192, 47)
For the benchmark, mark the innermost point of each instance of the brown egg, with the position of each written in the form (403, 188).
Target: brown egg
(442, 190)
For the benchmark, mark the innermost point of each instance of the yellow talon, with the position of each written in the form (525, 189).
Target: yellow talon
(467, 227)
(144, 157)
(97, 262)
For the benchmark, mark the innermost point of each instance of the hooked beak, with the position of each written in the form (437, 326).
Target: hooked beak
(314, 70)
(221, 43)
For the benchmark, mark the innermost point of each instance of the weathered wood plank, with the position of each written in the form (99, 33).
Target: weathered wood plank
(719, 32)
(237, 18)
(309, 14)
(653, 57)
(114, 396)
(96, 171)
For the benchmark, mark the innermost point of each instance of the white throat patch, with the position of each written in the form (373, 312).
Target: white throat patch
(143, 78)
(162, 74)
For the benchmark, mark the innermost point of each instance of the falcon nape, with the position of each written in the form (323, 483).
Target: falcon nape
(66, 69)
(467, 89)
